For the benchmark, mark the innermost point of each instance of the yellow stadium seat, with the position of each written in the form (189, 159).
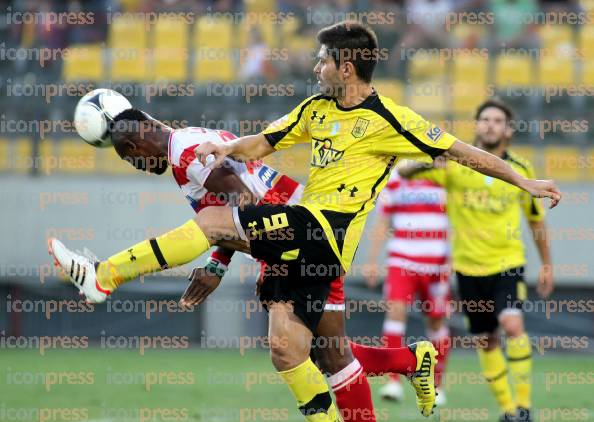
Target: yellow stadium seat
(5, 163)
(555, 38)
(588, 72)
(83, 62)
(470, 69)
(260, 6)
(213, 42)
(556, 71)
(512, 70)
(22, 155)
(128, 43)
(586, 41)
(428, 98)
(426, 66)
(466, 97)
(561, 163)
(76, 156)
(170, 51)
(462, 127)
(391, 88)
(589, 158)
(48, 161)
(109, 162)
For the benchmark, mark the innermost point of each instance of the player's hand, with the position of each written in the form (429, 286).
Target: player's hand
(372, 275)
(201, 285)
(543, 189)
(219, 151)
(545, 281)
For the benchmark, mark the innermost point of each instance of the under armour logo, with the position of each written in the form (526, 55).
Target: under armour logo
(314, 115)
(132, 257)
(352, 191)
(252, 226)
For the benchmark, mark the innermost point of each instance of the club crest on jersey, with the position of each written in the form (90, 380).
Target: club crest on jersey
(267, 176)
(360, 127)
(434, 133)
(323, 154)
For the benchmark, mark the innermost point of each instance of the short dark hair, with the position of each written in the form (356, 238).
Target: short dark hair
(497, 103)
(126, 122)
(354, 42)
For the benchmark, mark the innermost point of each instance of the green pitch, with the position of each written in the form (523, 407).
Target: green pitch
(196, 385)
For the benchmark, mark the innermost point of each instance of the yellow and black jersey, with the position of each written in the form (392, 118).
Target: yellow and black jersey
(485, 216)
(353, 151)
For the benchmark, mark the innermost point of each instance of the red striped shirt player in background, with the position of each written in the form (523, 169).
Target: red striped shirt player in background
(414, 213)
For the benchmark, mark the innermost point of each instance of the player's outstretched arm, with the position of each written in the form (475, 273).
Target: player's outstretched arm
(493, 166)
(246, 148)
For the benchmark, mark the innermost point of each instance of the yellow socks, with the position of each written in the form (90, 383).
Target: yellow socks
(519, 358)
(495, 371)
(176, 247)
(309, 387)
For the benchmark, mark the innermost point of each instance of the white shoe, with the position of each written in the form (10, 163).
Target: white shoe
(79, 269)
(392, 391)
(440, 399)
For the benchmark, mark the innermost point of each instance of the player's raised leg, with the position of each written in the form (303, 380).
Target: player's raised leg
(176, 247)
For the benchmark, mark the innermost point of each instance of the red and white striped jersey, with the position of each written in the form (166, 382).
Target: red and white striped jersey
(417, 212)
(266, 183)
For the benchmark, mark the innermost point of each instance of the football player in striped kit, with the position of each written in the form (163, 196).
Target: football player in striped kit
(412, 222)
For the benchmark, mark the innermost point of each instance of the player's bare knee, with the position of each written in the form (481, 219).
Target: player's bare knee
(283, 358)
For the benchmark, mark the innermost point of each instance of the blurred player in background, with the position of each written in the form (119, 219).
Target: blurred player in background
(414, 211)
(488, 257)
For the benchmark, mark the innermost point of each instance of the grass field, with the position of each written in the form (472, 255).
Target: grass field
(196, 385)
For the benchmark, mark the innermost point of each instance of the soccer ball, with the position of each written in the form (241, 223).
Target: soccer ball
(95, 111)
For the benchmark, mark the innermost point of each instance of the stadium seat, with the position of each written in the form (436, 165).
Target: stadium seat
(588, 72)
(213, 42)
(462, 127)
(76, 156)
(21, 155)
(466, 97)
(556, 38)
(428, 98)
(556, 71)
(470, 69)
(5, 162)
(560, 163)
(586, 41)
(109, 162)
(391, 88)
(83, 62)
(260, 6)
(128, 43)
(170, 51)
(513, 70)
(426, 66)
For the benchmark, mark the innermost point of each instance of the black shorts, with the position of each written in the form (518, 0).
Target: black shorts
(301, 262)
(485, 297)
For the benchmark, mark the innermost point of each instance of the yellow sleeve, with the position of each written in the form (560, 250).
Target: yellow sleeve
(292, 128)
(409, 135)
(533, 209)
(437, 176)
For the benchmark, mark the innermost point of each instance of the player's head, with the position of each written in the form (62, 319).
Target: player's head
(493, 123)
(348, 55)
(140, 140)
